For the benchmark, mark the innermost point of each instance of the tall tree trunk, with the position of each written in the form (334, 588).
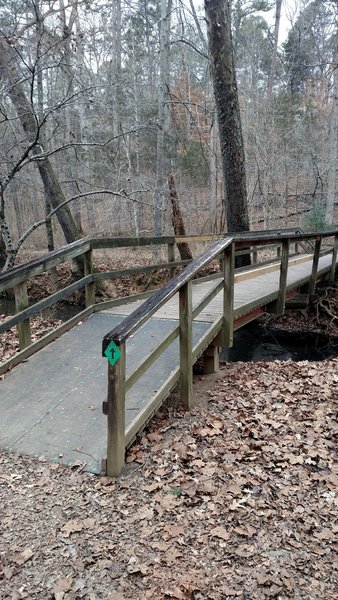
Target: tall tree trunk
(332, 183)
(272, 72)
(30, 125)
(115, 99)
(227, 105)
(2, 252)
(160, 150)
(213, 175)
(40, 87)
(84, 153)
(177, 219)
(71, 116)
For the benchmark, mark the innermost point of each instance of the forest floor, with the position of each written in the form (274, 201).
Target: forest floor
(235, 499)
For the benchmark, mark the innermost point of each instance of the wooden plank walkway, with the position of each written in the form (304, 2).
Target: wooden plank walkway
(51, 405)
(260, 288)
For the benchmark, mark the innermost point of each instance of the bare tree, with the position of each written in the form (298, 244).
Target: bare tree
(32, 128)
(227, 105)
(332, 178)
(162, 117)
(272, 71)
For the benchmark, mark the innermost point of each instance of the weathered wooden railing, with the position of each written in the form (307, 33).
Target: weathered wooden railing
(117, 382)
(16, 280)
(220, 333)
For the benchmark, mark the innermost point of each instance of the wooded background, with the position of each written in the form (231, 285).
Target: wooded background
(100, 100)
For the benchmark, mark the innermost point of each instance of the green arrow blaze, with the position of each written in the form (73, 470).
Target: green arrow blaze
(113, 353)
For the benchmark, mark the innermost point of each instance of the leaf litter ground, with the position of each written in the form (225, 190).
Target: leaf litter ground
(236, 499)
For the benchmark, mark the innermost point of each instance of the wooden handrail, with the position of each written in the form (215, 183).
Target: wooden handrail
(38, 307)
(127, 242)
(254, 239)
(47, 261)
(44, 263)
(131, 323)
(118, 384)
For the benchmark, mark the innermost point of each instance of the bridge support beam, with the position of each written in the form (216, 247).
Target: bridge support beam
(171, 257)
(280, 306)
(316, 255)
(334, 260)
(211, 359)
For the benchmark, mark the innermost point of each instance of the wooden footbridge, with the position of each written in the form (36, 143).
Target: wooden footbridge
(58, 401)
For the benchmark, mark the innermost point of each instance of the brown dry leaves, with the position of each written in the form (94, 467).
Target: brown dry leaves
(9, 342)
(322, 317)
(237, 499)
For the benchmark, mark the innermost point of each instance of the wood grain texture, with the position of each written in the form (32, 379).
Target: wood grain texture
(316, 255)
(228, 296)
(88, 271)
(283, 277)
(45, 303)
(116, 415)
(21, 303)
(41, 265)
(185, 330)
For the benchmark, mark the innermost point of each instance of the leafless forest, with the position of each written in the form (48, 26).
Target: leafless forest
(100, 100)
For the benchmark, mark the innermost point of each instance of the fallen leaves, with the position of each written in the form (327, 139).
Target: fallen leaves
(63, 585)
(22, 557)
(220, 532)
(9, 345)
(76, 525)
(245, 531)
(235, 500)
(144, 513)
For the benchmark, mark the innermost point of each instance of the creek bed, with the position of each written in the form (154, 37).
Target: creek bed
(256, 342)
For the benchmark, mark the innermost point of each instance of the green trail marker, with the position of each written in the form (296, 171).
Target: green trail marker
(113, 353)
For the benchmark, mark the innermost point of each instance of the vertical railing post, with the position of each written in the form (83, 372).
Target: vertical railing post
(283, 275)
(88, 270)
(334, 260)
(171, 257)
(316, 255)
(185, 300)
(278, 251)
(116, 415)
(254, 256)
(228, 296)
(21, 302)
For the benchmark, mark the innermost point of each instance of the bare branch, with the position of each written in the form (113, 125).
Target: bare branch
(191, 45)
(121, 194)
(46, 154)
